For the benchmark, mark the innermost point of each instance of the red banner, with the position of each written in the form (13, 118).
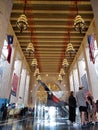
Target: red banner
(91, 40)
(14, 84)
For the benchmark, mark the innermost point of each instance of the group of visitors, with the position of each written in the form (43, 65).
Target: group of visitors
(87, 107)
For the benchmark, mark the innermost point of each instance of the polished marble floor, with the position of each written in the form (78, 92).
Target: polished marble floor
(30, 124)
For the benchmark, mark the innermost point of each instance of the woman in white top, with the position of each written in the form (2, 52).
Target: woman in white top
(81, 102)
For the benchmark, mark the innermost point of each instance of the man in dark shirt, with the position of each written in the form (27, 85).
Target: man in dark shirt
(72, 107)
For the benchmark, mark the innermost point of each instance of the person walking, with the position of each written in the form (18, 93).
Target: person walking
(91, 109)
(81, 101)
(72, 107)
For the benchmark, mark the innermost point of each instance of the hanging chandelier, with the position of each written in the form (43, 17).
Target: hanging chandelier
(38, 78)
(62, 73)
(79, 24)
(34, 62)
(65, 63)
(36, 73)
(30, 48)
(22, 22)
(70, 48)
(60, 78)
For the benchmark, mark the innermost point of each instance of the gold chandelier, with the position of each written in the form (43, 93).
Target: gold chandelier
(36, 73)
(22, 22)
(62, 73)
(38, 77)
(65, 63)
(30, 48)
(79, 24)
(34, 62)
(60, 78)
(70, 48)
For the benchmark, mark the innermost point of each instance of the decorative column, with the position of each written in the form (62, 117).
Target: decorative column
(26, 93)
(22, 85)
(73, 79)
(78, 70)
(12, 69)
(87, 68)
(5, 11)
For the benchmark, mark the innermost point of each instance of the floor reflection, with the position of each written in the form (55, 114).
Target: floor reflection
(30, 124)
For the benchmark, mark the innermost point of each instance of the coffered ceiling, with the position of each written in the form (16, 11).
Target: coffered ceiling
(51, 24)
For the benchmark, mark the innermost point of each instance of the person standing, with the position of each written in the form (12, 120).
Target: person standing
(72, 107)
(91, 109)
(81, 101)
(96, 111)
(2, 111)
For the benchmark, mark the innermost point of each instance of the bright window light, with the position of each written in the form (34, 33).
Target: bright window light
(5, 50)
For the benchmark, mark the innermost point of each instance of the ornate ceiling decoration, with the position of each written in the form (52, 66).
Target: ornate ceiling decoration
(50, 21)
